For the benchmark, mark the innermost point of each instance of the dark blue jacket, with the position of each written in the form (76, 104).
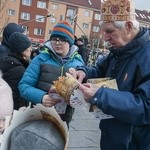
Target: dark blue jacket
(130, 105)
(8, 30)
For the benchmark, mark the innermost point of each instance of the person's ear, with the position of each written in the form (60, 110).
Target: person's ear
(129, 26)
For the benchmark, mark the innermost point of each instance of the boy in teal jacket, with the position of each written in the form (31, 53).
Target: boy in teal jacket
(58, 56)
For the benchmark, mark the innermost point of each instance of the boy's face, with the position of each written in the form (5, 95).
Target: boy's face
(60, 46)
(2, 125)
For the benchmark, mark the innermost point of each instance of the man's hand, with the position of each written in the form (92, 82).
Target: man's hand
(88, 90)
(79, 75)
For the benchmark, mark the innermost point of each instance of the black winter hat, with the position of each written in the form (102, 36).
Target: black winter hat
(19, 42)
(10, 29)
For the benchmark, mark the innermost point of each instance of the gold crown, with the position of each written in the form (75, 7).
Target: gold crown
(117, 10)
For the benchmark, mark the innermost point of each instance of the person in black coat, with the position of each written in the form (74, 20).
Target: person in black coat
(82, 50)
(14, 64)
(8, 30)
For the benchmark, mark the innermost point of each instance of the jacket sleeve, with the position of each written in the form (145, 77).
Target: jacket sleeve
(27, 85)
(97, 71)
(132, 108)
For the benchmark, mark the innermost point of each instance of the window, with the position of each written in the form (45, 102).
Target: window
(52, 19)
(38, 31)
(40, 18)
(136, 15)
(97, 17)
(25, 16)
(25, 27)
(54, 6)
(141, 15)
(85, 25)
(144, 16)
(71, 13)
(50, 32)
(27, 2)
(70, 21)
(96, 28)
(26, 30)
(61, 17)
(41, 4)
(11, 12)
(90, 2)
(87, 13)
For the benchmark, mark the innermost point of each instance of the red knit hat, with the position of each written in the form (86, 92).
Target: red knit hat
(6, 99)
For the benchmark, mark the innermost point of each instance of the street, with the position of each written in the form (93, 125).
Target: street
(84, 133)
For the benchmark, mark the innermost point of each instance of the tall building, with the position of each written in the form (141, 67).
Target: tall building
(40, 16)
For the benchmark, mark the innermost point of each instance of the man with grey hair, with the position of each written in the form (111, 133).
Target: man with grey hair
(128, 63)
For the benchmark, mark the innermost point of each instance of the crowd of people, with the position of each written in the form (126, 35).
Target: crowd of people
(27, 79)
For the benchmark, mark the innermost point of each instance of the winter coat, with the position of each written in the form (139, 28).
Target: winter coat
(130, 105)
(13, 68)
(8, 30)
(43, 70)
(83, 52)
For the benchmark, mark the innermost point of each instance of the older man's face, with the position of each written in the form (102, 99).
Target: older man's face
(116, 37)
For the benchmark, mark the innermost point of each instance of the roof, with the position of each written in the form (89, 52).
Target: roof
(142, 15)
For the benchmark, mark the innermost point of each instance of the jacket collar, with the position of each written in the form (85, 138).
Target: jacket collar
(130, 48)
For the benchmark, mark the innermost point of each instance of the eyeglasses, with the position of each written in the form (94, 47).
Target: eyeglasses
(59, 40)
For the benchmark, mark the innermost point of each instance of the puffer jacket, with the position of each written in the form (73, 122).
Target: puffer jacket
(44, 69)
(130, 104)
(13, 67)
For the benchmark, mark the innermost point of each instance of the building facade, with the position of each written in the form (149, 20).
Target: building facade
(40, 16)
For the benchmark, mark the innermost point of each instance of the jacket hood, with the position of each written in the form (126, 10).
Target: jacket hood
(8, 30)
(72, 50)
(130, 48)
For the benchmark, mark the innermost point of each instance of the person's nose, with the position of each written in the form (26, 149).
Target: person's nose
(57, 42)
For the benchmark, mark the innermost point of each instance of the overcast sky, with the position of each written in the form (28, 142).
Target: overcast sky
(142, 4)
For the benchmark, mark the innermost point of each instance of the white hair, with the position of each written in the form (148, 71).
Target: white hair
(121, 24)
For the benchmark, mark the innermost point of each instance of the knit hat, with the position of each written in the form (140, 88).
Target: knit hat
(10, 29)
(64, 30)
(19, 42)
(6, 99)
(117, 10)
(36, 135)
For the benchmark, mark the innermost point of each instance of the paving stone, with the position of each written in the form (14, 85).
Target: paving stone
(84, 133)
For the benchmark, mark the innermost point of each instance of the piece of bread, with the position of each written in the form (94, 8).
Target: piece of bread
(65, 86)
